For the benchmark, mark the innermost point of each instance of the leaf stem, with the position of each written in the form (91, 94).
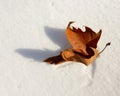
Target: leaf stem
(105, 47)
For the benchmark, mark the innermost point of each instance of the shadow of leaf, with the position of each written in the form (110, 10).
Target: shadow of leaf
(37, 55)
(93, 68)
(56, 35)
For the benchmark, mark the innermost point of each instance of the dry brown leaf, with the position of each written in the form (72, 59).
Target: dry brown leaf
(81, 40)
(84, 44)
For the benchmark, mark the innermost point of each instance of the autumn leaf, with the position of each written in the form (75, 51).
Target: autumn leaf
(84, 44)
(81, 40)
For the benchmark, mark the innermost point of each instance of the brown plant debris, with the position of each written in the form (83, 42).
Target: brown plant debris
(84, 44)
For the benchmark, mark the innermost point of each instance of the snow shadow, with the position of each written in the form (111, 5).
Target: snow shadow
(35, 54)
(93, 68)
(56, 35)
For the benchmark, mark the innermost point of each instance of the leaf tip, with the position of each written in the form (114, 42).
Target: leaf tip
(70, 23)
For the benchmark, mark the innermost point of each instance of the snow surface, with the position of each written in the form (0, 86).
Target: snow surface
(32, 30)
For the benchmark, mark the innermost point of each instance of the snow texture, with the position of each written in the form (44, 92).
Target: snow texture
(32, 30)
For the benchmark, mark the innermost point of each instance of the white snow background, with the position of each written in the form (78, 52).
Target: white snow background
(32, 30)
